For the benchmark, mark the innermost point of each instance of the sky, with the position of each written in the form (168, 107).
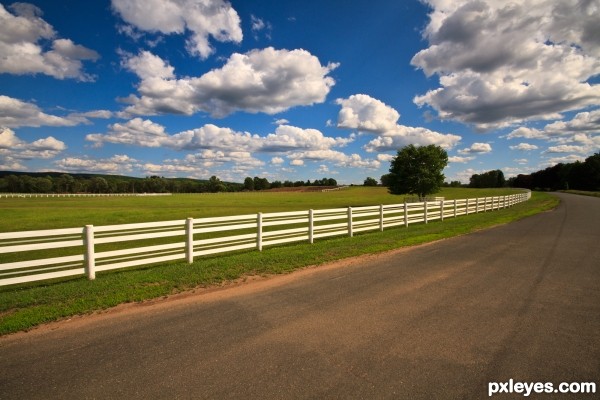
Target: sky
(296, 90)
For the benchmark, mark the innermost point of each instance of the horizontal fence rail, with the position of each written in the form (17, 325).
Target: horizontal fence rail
(48, 254)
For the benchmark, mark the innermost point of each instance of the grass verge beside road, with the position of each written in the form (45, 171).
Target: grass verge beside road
(582, 192)
(26, 306)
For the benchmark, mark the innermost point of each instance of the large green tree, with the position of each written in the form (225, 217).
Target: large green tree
(417, 170)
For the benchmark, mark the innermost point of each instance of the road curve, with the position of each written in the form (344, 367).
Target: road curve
(518, 301)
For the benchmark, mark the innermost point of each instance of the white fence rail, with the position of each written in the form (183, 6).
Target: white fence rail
(49, 254)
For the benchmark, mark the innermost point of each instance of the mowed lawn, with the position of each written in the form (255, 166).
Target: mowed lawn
(24, 214)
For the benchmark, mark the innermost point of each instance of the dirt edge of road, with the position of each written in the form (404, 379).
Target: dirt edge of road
(239, 287)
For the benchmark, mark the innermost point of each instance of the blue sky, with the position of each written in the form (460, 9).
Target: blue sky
(292, 90)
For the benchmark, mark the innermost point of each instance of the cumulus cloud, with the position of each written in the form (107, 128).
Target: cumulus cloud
(29, 45)
(501, 63)
(338, 158)
(524, 147)
(267, 80)
(199, 19)
(13, 149)
(579, 135)
(145, 133)
(461, 160)
(477, 148)
(584, 122)
(404, 135)
(385, 157)
(566, 149)
(15, 113)
(288, 138)
(365, 113)
(571, 158)
(137, 132)
(116, 164)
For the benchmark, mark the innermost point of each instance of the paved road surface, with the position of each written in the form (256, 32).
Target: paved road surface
(520, 301)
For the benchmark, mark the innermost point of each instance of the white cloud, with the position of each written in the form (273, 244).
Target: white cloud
(28, 45)
(526, 133)
(148, 66)
(13, 148)
(524, 147)
(117, 164)
(336, 157)
(213, 137)
(514, 171)
(323, 169)
(462, 160)
(297, 162)
(477, 148)
(202, 19)
(152, 168)
(259, 25)
(99, 114)
(365, 113)
(145, 133)
(267, 80)
(242, 160)
(8, 139)
(136, 132)
(579, 135)
(288, 138)
(405, 135)
(277, 161)
(501, 63)
(567, 149)
(584, 122)
(15, 113)
(385, 157)
(571, 158)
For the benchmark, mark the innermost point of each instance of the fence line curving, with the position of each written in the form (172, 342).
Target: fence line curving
(48, 254)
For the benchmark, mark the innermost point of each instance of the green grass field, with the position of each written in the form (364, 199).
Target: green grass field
(25, 306)
(24, 214)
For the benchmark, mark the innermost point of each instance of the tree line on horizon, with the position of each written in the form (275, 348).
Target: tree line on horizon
(418, 170)
(577, 176)
(88, 183)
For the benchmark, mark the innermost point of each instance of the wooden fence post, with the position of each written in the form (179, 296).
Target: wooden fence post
(455, 210)
(259, 244)
(311, 226)
(189, 240)
(425, 203)
(350, 233)
(442, 210)
(90, 258)
(381, 217)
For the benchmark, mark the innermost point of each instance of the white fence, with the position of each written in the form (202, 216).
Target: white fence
(49, 254)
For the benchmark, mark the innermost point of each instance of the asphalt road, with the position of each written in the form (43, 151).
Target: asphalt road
(519, 301)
